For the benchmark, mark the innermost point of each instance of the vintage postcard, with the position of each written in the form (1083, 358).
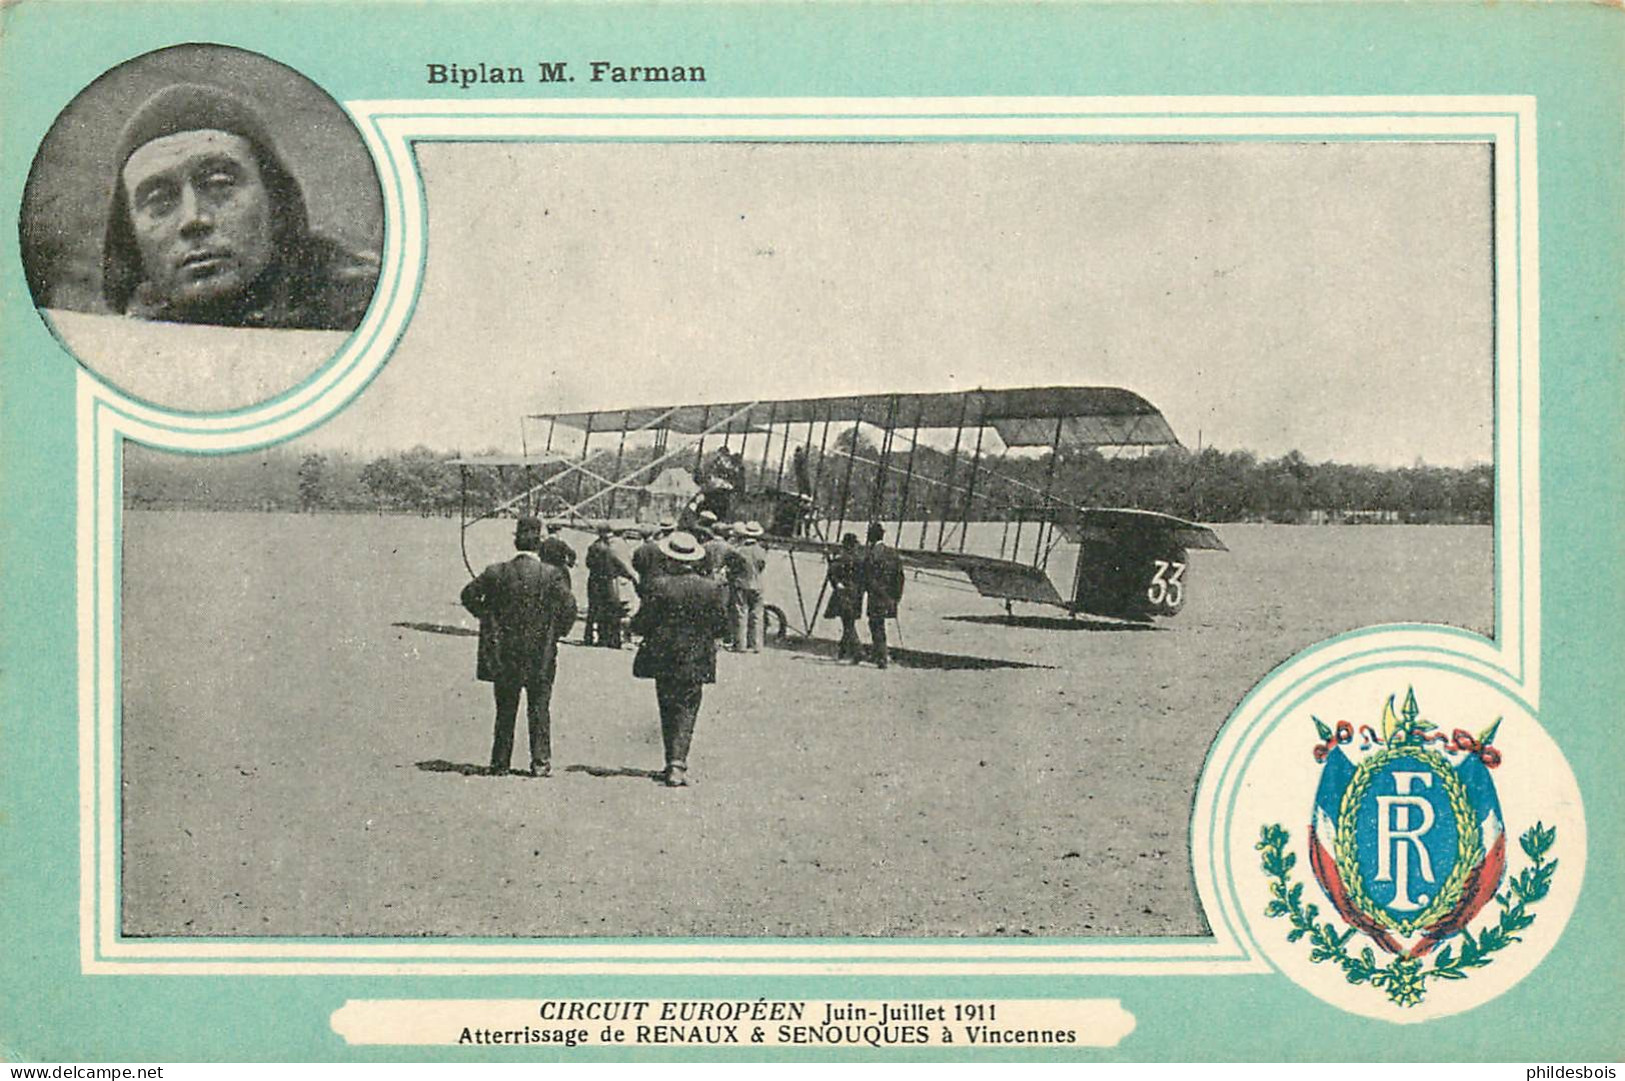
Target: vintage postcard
(890, 532)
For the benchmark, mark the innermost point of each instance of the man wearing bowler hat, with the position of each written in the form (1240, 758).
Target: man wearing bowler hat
(524, 607)
(208, 225)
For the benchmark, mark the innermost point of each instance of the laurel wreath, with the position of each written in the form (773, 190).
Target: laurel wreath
(1405, 978)
(1468, 845)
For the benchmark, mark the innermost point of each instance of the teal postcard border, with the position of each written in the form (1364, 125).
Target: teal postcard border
(395, 128)
(1568, 58)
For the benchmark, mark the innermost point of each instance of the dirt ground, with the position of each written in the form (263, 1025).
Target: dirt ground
(301, 730)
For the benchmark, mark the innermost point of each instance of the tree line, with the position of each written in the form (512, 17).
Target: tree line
(1209, 486)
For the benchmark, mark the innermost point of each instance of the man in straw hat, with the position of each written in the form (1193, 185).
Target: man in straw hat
(524, 607)
(744, 562)
(208, 225)
(682, 616)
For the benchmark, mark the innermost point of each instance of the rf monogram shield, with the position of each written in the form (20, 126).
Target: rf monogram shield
(1407, 843)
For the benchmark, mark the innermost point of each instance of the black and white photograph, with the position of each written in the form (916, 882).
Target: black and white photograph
(776, 539)
(201, 228)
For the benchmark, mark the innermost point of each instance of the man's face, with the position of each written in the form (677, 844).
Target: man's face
(201, 214)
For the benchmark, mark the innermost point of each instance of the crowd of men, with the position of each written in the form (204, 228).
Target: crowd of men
(734, 555)
(695, 586)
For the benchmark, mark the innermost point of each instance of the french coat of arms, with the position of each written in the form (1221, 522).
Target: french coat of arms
(1408, 843)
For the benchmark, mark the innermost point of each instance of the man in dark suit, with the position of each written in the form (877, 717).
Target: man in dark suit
(683, 615)
(647, 560)
(524, 607)
(846, 597)
(605, 568)
(556, 550)
(883, 585)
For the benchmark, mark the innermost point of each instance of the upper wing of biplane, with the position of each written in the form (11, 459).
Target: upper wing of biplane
(1022, 417)
(938, 468)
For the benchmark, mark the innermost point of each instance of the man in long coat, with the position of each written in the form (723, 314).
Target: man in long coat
(646, 560)
(883, 588)
(682, 616)
(556, 550)
(605, 568)
(524, 607)
(846, 597)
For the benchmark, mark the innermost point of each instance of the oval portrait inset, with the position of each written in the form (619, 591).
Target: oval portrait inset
(201, 228)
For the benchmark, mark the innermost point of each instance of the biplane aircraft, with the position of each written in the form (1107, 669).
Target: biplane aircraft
(935, 469)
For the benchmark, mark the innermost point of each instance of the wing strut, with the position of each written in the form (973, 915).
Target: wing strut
(1046, 502)
(970, 485)
(908, 477)
(699, 448)
(953, 469)
(801, 601)
(846, 482)
(767, 441)
(877, 495)
(784, 453)
(823, 446)
(620, 451)
(585, 439)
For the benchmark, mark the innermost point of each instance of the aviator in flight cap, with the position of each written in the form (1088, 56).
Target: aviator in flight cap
(192, 107)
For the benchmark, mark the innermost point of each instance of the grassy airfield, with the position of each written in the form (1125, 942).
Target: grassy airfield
(301, 731)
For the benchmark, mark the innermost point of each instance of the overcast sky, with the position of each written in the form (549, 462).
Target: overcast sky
(1329, 298)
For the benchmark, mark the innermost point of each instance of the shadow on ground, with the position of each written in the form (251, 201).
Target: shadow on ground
(618, 771)
(470, 769)
(440, 628)
(1055, 623)
(823, 649)
(440, 765)
(467, 632)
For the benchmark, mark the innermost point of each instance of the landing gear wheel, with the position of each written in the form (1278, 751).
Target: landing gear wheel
(774, 625)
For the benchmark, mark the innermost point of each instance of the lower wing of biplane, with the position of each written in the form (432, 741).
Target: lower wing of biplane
(1129, 564)
(983, 483)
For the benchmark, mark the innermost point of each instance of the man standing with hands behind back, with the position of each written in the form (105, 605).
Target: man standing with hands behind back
(524, 607)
